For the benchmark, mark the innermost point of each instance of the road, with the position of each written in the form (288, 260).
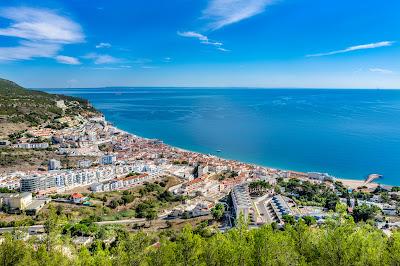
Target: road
(33, 228)
(40, 228)
(262, 208)
(127, 221)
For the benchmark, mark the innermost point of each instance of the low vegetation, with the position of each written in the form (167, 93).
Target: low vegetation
(33, 108)
(338, 242)
(139, 202)
(21, 110)
(259, 188)
(218, 211)
(306, 193)
(226, 175)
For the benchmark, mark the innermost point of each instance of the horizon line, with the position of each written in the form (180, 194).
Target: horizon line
(217, 87)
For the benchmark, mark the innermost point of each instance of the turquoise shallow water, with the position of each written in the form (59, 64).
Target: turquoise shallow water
(347, 133)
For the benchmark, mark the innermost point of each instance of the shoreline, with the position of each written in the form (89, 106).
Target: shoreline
(336, 171)
(354, 184)
(348, 182)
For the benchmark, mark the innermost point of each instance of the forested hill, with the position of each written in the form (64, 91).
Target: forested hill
(20, 105)
(340, 243)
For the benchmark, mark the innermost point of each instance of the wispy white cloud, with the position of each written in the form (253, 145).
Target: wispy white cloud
(192, 34)
(27, 50)
(225, 12)
(40, 32)
(355, 48)
(223, 49)
(145, 63)
(150, 67)
(220, 13)
(381, 70)
(111, 68)
(212, 43)
(40, 25)
(202, 38)
(69, 60)
(100, 59)
(167, 59)
(103, 45)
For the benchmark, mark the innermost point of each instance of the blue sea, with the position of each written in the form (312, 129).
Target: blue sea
(346, 133)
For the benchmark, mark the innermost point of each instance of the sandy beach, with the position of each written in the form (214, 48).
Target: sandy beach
(350, 183)
(353, 184)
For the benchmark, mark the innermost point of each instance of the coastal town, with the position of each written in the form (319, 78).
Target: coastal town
(194, 133)
(204, 185)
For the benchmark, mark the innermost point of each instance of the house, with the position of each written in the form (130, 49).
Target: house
(96, 187)
(54, 165)
(35, 206)
(77, 198)
(201, 209)
(389, 210)
(26, 145)
(84, 163)
(376, 198)
(108, 159)
(4, 143)
(18, 201)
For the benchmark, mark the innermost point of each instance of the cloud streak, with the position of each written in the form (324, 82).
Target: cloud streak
(68, 60)
(100, 59)
(355, 48)
(381, 70)
(223, 49)
(27, 50)
(203, 39)
(40, 25)
(103, 45)
(192, 34)
(167, 59)
(40, 33)
(221, 13)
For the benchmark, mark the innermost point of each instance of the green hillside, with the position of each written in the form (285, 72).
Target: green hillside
(339, 243)
(20, 105)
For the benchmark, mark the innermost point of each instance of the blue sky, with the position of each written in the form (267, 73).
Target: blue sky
(242, 43)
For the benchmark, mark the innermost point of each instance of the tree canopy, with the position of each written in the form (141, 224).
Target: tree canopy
(338, 242)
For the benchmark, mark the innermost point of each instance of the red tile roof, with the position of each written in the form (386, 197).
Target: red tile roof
(77, 196)
(194, 181)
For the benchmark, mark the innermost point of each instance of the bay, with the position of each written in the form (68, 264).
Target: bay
(346, 133)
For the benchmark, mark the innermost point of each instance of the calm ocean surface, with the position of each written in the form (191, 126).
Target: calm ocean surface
(346, 133)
